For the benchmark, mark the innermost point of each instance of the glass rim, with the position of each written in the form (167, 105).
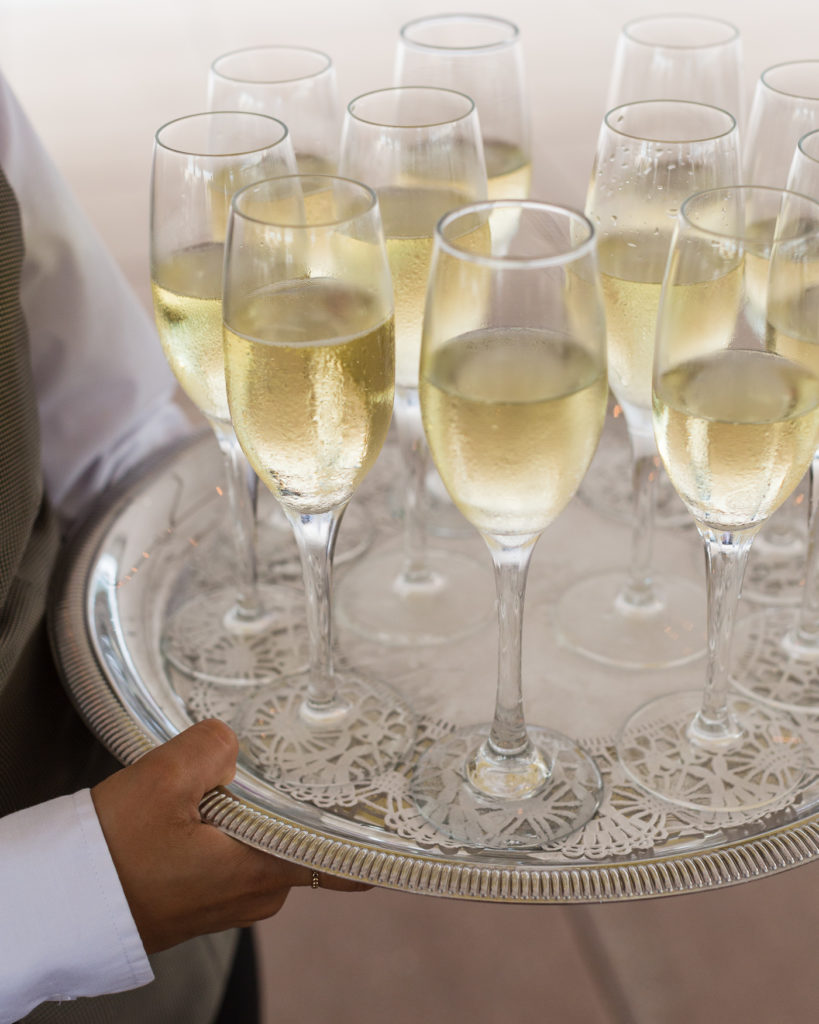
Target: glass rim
(380, 123)
(684, 214)
(360, 186)
(813, 134)
(240, 151)
(573, 252)
(730, 127)
(271, 81)
(810, 62)
(499, 44)
(732, 36)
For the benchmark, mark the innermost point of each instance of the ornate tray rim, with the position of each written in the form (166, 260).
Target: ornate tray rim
(95, 699)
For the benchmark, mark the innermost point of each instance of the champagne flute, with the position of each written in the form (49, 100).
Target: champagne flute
(737, 425)
(680, 57)
(662, 56)
(785, 106)
(651, 155)
(420, 149)
(293, 83)
(513, 395)
(482, 56)
(776, 650)
(198, 162)
(310, 364)
(297, 85)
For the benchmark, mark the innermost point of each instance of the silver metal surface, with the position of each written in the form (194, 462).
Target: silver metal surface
(122, 573)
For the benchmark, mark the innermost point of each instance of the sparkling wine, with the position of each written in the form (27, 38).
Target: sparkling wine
(794, 334)
(736, 430)
(513, 417)
(509, 176)
(409, 216)
(508, 170)
(791, 275)
(187, 293)
(310, 371)
(631, 275)
(699, 316)
(313, 163)
(756, 272)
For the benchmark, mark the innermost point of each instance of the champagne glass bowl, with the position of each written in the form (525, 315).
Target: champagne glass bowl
(293, 83)
(681, 57)
(479, 55)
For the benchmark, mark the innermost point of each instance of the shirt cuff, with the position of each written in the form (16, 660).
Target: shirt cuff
(65, 926)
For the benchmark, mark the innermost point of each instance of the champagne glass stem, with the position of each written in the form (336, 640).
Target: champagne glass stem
(726, 555)
(639, 588)
(807, 633)
(242, 489)
(414, 455)
(316, 539)
(508, 736)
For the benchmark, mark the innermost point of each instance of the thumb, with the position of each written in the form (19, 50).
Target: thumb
(195, 761)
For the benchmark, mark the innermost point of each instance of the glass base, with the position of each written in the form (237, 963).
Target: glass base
(560, 805)
(759, 766)
(366, 732)
(375, 600)
(203, 638)
(593, 619)
(770, 663)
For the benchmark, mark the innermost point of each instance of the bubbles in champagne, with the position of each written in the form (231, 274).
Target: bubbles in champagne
(736, 430)
(310, 371)
(187, 293)
(513, 417)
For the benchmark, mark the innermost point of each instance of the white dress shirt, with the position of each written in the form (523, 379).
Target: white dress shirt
(65, 927)
(104, 395)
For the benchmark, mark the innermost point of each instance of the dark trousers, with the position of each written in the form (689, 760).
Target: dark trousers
(241, 1001)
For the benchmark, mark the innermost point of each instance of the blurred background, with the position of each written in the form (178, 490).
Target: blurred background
(97, 78)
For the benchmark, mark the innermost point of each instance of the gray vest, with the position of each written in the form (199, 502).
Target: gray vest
(45, 749)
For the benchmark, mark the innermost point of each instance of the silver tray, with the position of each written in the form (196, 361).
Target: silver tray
(117, 582)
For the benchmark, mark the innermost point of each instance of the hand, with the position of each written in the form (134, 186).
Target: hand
(182, 877)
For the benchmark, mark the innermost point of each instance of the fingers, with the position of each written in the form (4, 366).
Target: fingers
(197, 760)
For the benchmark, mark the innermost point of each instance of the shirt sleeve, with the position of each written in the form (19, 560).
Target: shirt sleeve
(104, 388)
(105, 400)
(67, 929)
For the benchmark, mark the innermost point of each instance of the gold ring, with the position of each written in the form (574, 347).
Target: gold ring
(314, 881)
